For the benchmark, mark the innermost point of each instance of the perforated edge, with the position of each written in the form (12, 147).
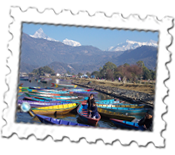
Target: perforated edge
(47, 144)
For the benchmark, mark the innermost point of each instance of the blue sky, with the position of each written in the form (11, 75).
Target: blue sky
(98, 37)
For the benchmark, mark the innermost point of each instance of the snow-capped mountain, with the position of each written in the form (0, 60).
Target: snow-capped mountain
(131, 45)
(71, 42)
(40, 34)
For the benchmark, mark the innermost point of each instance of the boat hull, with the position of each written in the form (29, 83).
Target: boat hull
(82, 112)
(110, 114)
(124, 110)
(43, 103)
(50, 120)
(55, 110)
(127, 124)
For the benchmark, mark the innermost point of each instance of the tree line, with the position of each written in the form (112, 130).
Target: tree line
(42, 70)
(126, 72)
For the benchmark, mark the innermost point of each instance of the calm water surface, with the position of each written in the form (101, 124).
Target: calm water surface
(26, 118)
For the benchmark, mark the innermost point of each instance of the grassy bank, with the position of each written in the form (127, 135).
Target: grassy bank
(145, 88)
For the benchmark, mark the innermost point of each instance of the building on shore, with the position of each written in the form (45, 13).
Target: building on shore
(23, 74)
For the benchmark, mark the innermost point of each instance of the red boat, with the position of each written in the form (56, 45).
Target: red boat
(83, 114)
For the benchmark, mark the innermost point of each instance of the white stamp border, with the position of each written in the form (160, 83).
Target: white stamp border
(99, 20)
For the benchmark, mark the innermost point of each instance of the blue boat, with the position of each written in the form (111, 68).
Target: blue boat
(50, 120)
(83, 115)
(40, 99)
(54, 98)
(125, 110)
(127, 124)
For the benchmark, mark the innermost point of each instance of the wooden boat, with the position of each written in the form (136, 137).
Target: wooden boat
(108, 101)
(125, 110)
(39, 99)
(45, 96)
(111, 114)
(63, 85)
(127, 124)
(124, 105)
(55, 110)
(23, 87)
(20, 93)
(83, 115)
(24, 78)
(50, 120)
(45, 80)
(42, 103)
(48, 92)
(78, 90)
(84, 93)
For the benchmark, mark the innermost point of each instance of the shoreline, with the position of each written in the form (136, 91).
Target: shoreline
(128, 95)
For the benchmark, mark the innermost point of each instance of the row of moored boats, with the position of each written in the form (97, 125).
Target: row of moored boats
(52, 101)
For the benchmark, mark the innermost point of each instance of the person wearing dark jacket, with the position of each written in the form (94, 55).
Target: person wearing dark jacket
(90, 102)
(94, 111)
(146, 122)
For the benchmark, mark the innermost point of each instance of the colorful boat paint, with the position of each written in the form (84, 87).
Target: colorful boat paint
(124, 110)
(63, 85)
(83, 115)
(127, 124)
(42, 103)
(50, 120)
(111, 114)
(45, 96)
(123, 105)
(55, 110)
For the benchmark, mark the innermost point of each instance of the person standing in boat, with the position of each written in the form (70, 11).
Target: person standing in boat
(94, 111)
(146, 122)
(90, 102)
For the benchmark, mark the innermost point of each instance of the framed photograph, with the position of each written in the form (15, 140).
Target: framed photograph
(82, 76)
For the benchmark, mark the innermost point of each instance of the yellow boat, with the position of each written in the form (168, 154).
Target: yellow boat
(116, 115)
(55, 110)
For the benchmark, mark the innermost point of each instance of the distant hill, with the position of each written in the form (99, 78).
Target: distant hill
(147, 54)
(60, 67)
(38, 52)
(27, 67)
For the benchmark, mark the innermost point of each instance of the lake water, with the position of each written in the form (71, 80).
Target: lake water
(26, 118)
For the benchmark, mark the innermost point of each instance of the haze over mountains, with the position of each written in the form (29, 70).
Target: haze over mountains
(40, 50)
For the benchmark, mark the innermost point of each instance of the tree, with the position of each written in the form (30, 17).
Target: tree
(95, 73)
(146, 73)
(68, 72)
(140, 63)
(88, 74)
(40, 71)
(79, 74)
(109, 75)
(109, 65)
(126, 64)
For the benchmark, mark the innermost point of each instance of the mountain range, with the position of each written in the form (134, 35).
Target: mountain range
(128, 45)
(40, 50)
(40, 34)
